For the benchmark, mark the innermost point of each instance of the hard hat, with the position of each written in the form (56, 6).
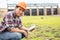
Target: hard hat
(22, 4)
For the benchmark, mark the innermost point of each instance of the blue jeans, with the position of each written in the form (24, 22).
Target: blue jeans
(11, 36)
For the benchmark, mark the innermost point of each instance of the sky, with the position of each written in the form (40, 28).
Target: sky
(47, 1)
(3, 3)
(38, 1)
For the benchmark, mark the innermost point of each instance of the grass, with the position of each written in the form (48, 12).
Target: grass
(52, 21)
(48, 27)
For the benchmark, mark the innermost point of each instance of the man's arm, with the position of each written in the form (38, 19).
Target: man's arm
(23, 28)
(10, 25)
(20, 31)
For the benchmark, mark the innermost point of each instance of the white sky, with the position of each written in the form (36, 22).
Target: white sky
(4, 2)
(38, 1)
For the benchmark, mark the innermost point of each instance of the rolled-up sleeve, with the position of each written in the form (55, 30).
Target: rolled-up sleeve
(9, 22)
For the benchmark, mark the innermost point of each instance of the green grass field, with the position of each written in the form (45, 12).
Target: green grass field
(47, 27)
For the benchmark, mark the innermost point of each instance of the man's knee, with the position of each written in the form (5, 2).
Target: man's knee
(9, 35)
(17, 35)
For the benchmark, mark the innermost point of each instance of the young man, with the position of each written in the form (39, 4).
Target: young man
(15, 30)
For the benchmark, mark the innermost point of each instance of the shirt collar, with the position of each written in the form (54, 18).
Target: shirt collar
(14, 15)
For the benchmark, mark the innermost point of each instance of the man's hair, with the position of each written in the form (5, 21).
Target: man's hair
(21, 7)
(17, 6)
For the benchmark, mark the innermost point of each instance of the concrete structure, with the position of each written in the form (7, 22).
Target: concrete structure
(35, 9)
(43, 8)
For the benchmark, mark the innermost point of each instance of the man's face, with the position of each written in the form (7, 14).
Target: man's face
(19, 11)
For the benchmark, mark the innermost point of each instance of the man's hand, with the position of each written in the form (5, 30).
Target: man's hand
(25, 33)
(23, 28)
(20, 31)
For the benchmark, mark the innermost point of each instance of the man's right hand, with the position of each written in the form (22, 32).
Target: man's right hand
(20, 31)
(25, 33)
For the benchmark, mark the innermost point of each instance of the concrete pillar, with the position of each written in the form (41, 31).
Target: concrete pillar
(37, 12)
(58, 10)
(45, 11)
(30, 12)
(52, 10)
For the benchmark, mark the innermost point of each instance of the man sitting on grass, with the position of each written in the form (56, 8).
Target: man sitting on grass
(15, 30)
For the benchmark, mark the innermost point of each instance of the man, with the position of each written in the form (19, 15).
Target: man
(15, 30)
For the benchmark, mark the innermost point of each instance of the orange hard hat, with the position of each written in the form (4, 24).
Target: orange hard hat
(22, 4)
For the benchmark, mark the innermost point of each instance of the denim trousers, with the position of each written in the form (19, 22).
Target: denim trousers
(11, 36)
